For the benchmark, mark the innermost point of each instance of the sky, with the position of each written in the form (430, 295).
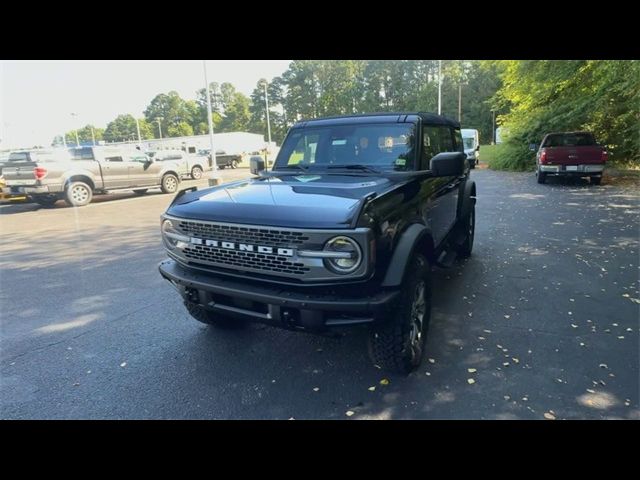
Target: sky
(37, 98)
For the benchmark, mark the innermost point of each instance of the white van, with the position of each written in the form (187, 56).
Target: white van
(471, 142)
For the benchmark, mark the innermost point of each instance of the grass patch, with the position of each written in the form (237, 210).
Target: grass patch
(488, 153)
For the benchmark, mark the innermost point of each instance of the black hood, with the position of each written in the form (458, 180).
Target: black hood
(303, 201)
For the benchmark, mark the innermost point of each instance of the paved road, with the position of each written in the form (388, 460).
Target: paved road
(546, 311)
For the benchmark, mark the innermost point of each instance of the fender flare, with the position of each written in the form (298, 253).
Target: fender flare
(411, 239)
(468, 199)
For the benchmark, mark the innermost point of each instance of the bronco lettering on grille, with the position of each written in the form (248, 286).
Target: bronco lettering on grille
(243, 247)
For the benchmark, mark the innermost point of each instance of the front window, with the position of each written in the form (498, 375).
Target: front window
(468, 143)
(384, 147)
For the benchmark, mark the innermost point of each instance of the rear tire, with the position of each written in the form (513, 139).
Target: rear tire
(210, 318)
(398, 345)
(78, 194)
(596, 180)
(540, 176)
(169, 183)
(196, 173)
(469, 226)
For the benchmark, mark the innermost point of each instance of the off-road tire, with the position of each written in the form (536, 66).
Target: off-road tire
(212, 318)
(169, 183)
(390, 343)
(196, 173)
(468, 227)
(78, 194)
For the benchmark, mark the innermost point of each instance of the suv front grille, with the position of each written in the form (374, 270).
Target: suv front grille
(240, 260)
(262, 236)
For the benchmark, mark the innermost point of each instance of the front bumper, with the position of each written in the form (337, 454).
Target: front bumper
(311, 309)
(578, 170)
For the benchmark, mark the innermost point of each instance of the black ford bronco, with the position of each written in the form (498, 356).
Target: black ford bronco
(342, 231)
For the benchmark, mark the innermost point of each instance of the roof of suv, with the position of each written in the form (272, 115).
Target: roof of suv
(382, 117)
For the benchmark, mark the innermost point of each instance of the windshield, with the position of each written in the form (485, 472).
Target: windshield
(468, 142)
(384, 147)
(570, 140)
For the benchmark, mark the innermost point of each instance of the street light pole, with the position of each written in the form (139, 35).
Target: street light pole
(93, 137)
(159, 119)
(266, 101)
(439, 87)
(76, 131)
(138, 128)
(214, 177)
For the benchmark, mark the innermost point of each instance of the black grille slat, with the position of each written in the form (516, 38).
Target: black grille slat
(234, 258)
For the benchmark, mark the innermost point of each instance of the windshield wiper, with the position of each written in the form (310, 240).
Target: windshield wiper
(292, 166)
(355, 166)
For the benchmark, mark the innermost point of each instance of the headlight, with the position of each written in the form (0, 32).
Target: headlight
(348, 255)
(172, 237)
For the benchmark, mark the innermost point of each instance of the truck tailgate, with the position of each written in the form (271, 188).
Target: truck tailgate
(578, 155)
(16, 174)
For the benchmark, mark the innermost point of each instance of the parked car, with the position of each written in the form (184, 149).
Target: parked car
(76, 174)
(343, 231)
(192, 166)
(471, 141)
(223, 159)
(570, 154)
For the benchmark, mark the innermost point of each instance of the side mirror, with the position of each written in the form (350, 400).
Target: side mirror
(256, 164)
(533, 147)
(448, 164)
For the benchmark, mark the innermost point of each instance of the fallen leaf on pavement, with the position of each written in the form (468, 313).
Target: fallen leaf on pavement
(549, 416)
(470, 381)
(471, 370)
(384, 381)
(349, 413)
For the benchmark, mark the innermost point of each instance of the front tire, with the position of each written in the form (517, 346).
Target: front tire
(169, 183)
(78, 194)
(398, 345)
(234, 164)
(196, 173)
(210, 318)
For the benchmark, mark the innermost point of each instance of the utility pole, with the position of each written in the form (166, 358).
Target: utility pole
(493, 129)
(93, 137)
(214, 177)
(266, 101)
(460, 102)
(439, 87)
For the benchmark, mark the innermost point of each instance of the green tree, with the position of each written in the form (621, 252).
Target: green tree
(180, 129)
(173, 111)
(237, 115)
(123, 128)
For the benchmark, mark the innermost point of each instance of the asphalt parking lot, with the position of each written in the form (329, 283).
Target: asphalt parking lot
(541, 322)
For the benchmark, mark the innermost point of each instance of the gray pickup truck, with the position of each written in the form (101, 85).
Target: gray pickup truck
(76, 174)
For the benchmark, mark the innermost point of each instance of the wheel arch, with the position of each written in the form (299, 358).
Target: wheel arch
(417, 238)
(80, 177)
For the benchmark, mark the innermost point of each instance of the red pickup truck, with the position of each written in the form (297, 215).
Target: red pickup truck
(570, 154)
